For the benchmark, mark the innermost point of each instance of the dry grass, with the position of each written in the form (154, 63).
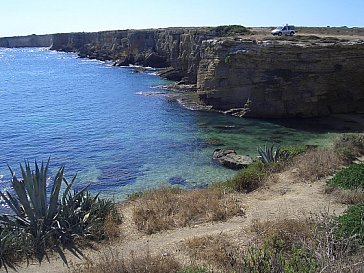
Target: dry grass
(289, 230)
(169, 208)
(343, 196)
(111, 227)
(113, 262)
(317, 164)
(214, 251)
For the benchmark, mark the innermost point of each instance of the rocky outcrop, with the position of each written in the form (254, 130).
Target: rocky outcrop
(176, 48)
(27, 41)
(230, 159)
(282, 78)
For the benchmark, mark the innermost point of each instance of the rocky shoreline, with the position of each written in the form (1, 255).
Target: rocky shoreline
(244, 74)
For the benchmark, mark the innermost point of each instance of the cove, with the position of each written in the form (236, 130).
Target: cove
(90, 116)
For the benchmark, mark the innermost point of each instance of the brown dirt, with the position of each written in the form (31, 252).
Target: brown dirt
(283, 198)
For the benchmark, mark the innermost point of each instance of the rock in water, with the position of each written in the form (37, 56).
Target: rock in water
(230, 159)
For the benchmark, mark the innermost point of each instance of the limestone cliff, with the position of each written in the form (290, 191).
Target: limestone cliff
(283, 78)
(27, 41)
(178, 48)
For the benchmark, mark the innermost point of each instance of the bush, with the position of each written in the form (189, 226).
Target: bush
(248, 179)
(113, 262)
(350, 146)
(351, 223)
(293, 150)
(351, 177)
(316, 164)
(230, 30)
(276, 256)
(48, 222)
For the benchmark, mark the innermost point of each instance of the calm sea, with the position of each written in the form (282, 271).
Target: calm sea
(90, 117)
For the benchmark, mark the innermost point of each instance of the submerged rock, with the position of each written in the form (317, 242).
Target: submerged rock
(177, 180)
(230, 159)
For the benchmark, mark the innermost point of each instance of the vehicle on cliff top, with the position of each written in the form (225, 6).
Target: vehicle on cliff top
(284, 30)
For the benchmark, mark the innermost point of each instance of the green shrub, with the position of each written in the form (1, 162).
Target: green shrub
(276, 256)
(351, 177)
(293, 150)
(230, 30)
(350, 146)
(248, 179)
(351, 223)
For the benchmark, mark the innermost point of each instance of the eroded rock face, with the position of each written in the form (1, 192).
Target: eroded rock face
(281, 78)
(177, 48)
(27, 41)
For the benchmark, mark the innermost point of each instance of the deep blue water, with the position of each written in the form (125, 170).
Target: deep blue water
(88, 115)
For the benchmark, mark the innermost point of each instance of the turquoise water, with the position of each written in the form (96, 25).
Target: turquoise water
(88, 115)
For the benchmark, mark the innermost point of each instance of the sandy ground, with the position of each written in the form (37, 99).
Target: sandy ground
(286, 198)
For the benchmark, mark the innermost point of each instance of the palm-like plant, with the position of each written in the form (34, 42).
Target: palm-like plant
(269, 154)
(57, 215)
(33, 211)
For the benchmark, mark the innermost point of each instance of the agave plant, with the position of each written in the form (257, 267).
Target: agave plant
(269, 154)
(60, 215)
(33, 212)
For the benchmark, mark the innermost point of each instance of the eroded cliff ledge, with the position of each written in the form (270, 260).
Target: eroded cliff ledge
(177, 48)
(283, 78)
(302, 76)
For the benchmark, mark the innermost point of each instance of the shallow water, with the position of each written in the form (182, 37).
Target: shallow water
(91, 117)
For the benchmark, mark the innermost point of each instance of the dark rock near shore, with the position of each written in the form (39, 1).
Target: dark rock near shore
(177, 180)
(230, 159)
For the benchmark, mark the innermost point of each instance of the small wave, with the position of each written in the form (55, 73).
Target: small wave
(193, 106)
(150, 93)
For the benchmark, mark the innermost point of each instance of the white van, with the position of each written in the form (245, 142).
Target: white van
(284, 30)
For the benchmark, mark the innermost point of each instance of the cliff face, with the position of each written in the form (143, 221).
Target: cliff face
(283, 78)
(173, 47)
(27, 41)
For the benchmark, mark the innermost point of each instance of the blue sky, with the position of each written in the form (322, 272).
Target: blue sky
(22, 17)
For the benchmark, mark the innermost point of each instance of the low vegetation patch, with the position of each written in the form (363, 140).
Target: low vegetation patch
(169, 208)
(42, 222)
(350, 178)
(291, 151)
(213, 251)
(231, 30)
(350, 146)
(247, 179)
(113, 262)
(316, 164)
(351, 223)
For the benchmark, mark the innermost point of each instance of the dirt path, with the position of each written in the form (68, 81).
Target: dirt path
(282, 199)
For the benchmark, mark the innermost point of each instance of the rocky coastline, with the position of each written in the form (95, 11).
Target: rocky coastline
(242, 74)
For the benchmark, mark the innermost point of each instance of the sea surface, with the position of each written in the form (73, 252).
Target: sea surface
(90, 117)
